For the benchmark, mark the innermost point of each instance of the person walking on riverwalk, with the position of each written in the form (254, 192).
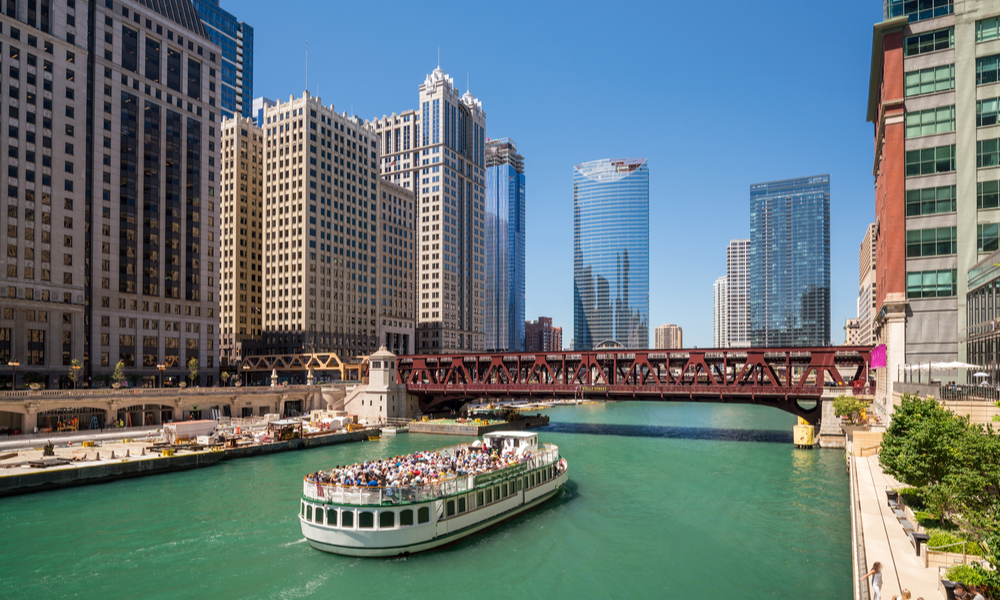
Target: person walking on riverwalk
(976, 595)
(876, 575)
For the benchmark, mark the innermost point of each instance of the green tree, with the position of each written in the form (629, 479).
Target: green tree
(192, 365)
(850, 407)
(74, 371)
(224, 376)
(911, 411)
(32, 377)
(119, 375)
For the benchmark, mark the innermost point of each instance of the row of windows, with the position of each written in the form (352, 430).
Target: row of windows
(988, 29)
(936, 241)
(932, 284)
(934, 79)
(930, 160)
(917, 10)
(931, 41)
(930, 201)
(930, 121)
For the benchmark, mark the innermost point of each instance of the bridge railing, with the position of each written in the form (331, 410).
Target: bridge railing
(106, 392)
(543, 388)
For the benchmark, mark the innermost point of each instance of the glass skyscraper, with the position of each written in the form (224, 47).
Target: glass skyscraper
(236, 40)
(611, 253)
(504, 246)
(790, 262)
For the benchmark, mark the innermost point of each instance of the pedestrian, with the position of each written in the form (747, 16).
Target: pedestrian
(959, 592)
(976, 595)
(876, 575)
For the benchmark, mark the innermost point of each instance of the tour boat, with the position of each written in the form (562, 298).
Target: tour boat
(505, 474)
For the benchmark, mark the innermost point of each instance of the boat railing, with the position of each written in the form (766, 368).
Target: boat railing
(409, 494)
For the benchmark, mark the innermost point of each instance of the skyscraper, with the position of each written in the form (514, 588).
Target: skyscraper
(236, 40)
(42, 289)
(738, 294)
(611, 253)
(397, 268)
(790, 262)
(257, 109)
(669, 337)
(242, 247)
(541, 336)
(438, 151)
(505, 212)
(719, 321)
(866, 286)
(153, 181)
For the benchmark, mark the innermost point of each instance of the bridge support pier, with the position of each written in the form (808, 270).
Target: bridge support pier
(831, 435)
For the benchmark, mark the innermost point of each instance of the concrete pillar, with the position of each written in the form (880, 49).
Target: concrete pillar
(30, 421)
(891, 332)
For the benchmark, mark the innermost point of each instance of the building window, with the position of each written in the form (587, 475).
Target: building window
(937, 241)
(931, 201)
(932, 284)
(930, 160)
(931, 41)
(987, 111)
(986, 69)
(987, 237)
(934, 79)
(988, 194)
(36, 346)
(917, 10)
(988, 153)
(988, 29)
(930, 121)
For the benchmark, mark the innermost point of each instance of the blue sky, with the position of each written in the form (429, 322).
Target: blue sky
(716, 95)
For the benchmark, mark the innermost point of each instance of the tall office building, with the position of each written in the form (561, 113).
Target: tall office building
(790, 262)
(42, 289)
(719, 320)
(933, 101)
(541, 336)
(396, 272)
(236, 40)
(257, 109)
(669, 337)
(738, 294)
(866, 286)
(611, 253)
(505, 212)
(152, 231)
(241, 255)
(438, 151)
(321, 270)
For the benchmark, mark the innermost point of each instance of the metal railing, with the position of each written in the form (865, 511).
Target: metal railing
(99, 392)
(391, 495)
(860, 566)
(79, 432)
(965, 555)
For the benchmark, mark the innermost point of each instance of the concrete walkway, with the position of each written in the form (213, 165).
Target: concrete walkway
(885, 540)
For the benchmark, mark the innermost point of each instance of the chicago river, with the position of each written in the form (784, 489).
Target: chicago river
(664, 500)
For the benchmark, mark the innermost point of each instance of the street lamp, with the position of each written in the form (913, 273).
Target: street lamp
(161, 368)
(246, 375)
(76, 371)
(13, 374)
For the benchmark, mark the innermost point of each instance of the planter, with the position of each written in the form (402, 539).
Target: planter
(184, 384)
(35, 387)
(238, 384)
(116, 385)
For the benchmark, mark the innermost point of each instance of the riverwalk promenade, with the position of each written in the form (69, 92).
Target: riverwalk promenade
(883, 539)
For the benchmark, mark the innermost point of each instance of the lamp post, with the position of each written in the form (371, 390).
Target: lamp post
(13, 374)
(76, 371)
(161, 368)
(246, 375)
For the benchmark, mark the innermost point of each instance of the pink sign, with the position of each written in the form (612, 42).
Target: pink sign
(878, 357)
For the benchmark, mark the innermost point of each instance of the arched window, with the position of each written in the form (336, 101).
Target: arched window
(406, 518)
(386, 519)
(423, 515)
(309, 512)
(347, 519)
(331, 517)
(366, 520)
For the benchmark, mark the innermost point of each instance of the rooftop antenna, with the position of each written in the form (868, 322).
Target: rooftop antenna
(307, 66)
(466, 82)
(439, 57)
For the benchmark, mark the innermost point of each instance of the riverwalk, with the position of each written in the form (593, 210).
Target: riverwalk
(882, 538)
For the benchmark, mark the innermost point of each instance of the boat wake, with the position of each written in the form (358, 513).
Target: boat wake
(296, 542)
(675, 433)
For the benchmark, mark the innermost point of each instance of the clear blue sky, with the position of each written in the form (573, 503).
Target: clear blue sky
(716, 95)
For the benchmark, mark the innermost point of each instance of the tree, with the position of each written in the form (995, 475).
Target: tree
(119, 375)
(911, 410)
(852, 408)
(74, 371)
(192, 365)
(224, 376)
(32, 377)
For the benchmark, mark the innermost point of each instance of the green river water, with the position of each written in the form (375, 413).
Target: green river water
(665, 500)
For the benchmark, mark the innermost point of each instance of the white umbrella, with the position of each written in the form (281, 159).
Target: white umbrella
(981, 375)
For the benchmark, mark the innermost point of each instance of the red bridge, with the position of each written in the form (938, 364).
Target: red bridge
(778, 377)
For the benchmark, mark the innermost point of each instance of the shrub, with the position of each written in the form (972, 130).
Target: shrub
(912, 497)
(852, 408)
(966, 575)
(943, 537)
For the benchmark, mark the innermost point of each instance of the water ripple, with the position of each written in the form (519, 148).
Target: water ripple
(674, 433)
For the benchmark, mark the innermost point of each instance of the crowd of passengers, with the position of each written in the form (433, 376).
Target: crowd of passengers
(419, 468)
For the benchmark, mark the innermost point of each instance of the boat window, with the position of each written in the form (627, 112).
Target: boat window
(309, 512)
(520, 483)
(331, 517)
(532, 479)
(302, 509)
(423, 515)
(505, 490)
(461, 504)
(386, 519)
(406, 518)
(366, 520)
(318, 515)
(479, 499)
(347, 519)
(496, 492)
(489, 495)
(451, 508)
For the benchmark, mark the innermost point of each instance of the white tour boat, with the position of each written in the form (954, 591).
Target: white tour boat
(434, 498)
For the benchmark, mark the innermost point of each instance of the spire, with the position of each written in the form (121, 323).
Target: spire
(439, 57)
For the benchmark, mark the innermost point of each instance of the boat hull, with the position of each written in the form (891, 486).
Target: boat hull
(421, 538)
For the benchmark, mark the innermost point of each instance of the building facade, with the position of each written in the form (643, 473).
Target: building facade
(669, 337)
(852, 332)
(43, 287)
(321, 232)
(790, 262)
(152, 270)
(397, 268)
(257, 110)
(738, 294)
(933, 101)
(866, 287)
(719, 321)
(505, 233)
(236, 40)
(541, 336)
(241, 224)
(611, 253)
(983, 308)
(438, 151)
